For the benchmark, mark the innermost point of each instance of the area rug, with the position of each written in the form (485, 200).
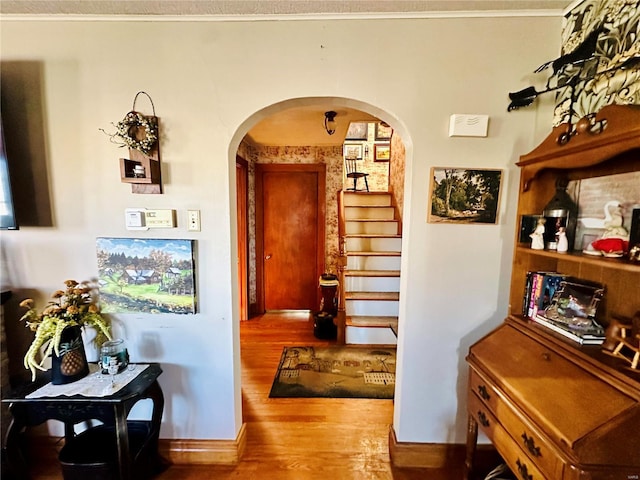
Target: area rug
(336, 372)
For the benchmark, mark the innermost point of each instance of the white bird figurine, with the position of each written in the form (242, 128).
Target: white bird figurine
(601, 223)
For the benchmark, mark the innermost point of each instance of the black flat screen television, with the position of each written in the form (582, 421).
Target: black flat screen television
(7, 211)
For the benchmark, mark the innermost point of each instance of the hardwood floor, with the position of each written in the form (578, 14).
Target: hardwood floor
(304, 438)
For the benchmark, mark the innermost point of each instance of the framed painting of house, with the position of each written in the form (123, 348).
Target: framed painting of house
(464, 195)
(143, 275)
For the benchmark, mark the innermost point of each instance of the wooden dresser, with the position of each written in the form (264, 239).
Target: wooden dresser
(554, 409)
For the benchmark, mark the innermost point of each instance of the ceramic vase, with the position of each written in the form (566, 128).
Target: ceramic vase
(71, 364)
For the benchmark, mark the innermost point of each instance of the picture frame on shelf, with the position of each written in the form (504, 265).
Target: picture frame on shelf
(383, 132)
(358, 131)
(381, 152)
(575, 303)
(352, 151)
(451, 200)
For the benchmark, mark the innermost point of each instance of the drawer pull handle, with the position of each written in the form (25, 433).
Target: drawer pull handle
(482, 418)
(530, 443)
(482, 390)
(523, 470)
(546, 357)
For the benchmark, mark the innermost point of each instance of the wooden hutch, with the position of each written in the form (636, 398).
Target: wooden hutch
(552, 408)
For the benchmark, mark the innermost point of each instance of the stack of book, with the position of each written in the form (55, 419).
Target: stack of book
(566, 305)
(539, 290)
(593, 335)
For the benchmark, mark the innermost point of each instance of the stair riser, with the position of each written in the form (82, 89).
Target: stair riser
(372, 307)
(351, 199)
(372, 284)
(373, 227)
(385, 213)
(373, 263)
(359, 244)
(369, 336)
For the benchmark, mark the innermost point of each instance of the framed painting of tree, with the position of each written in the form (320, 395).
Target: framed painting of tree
(464, 195)
(142, 275)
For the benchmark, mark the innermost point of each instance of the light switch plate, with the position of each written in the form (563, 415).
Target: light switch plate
(193, 220)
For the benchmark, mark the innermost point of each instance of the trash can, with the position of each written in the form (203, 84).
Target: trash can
(329, 290)
(323, 326)
(93, 453)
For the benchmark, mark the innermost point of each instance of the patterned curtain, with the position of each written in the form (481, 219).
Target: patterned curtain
(605, 82)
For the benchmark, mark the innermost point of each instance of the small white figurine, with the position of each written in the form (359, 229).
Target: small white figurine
(562, 242)
(537, 239)
(613, 226)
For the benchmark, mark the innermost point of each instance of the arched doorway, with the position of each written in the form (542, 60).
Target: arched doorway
(248, 147)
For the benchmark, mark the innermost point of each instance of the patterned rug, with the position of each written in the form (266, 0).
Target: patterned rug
(336, 372)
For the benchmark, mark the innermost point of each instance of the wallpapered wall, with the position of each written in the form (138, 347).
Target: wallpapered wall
(618, 42)
(332, 158)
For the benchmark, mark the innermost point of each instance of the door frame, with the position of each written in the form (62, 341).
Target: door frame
(242, 211)
(261, 169)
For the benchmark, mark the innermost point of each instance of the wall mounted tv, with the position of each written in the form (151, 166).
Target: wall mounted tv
(7, 211)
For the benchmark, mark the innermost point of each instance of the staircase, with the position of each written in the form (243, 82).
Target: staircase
(371, 277)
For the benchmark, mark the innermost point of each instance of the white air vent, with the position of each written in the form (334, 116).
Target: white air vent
(465, 125)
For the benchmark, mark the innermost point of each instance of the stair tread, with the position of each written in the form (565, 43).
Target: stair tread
(370, 321)
(372, 296)
(359, 253)
(373, 235)
(370, 220)
(372, 273)
(368, 206)
(366, 193)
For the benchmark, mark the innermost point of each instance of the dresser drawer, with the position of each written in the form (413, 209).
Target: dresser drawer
(527, 438)
(483, 389)
(523, 466)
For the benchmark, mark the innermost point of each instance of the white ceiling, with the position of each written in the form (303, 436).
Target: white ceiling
(301, 125)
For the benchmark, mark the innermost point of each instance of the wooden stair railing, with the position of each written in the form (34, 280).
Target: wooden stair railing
(342, 265)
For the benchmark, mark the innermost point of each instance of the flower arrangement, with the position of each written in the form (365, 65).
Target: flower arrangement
(76, 305)
(127, 132)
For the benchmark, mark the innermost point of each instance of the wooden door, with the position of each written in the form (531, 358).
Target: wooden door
(242, 176)
(290, 219)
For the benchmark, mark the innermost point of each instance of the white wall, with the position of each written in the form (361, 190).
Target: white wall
(207, 79)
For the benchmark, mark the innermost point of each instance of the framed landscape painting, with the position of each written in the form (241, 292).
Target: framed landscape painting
(464, 195)
(142, 275)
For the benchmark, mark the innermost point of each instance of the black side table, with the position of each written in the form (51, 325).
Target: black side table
(111, 410)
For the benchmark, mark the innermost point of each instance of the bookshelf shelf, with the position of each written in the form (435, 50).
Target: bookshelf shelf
(603, 262)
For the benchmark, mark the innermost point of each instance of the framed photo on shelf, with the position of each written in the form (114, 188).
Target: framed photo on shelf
(381, 152)
(358, 131)
(383, 132)
(575, 303)
(352, 151)
(464, 195)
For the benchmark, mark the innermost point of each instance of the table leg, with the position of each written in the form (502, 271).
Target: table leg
(472, 439)
(122, 439)
(12, 452)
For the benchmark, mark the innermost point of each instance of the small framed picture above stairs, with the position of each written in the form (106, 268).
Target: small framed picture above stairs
(372, 246)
